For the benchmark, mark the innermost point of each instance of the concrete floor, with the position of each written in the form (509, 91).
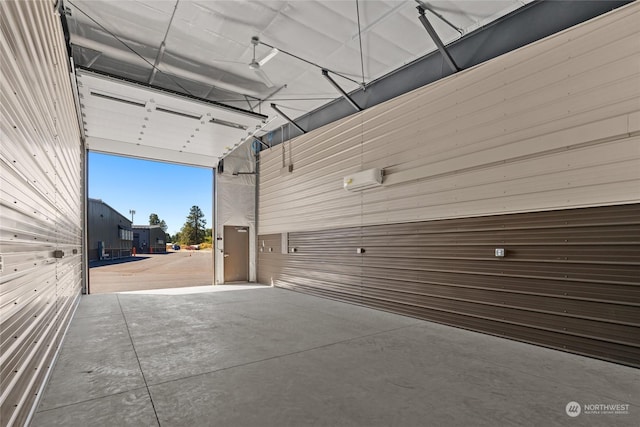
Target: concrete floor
(246, 356)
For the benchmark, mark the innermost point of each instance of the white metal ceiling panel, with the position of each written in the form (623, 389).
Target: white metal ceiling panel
(208, 50)
(125, 118)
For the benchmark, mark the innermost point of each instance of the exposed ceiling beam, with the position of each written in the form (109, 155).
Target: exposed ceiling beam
(271, 95)
(287, 118)
(156, 63)
(344, 94)
(246, 98)
(163, 46)
(93, 60)
(442, 18)
(523, 26)
(436, 39)
(130, 57)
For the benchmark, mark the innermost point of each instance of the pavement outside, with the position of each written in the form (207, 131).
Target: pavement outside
(240, 356)
(152, 271)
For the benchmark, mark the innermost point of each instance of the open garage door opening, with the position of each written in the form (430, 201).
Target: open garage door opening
(121, 117)
(149, 225)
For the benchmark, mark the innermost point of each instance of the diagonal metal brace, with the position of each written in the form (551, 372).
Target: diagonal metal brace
(344, 94)
(436, 39)
(287, 118)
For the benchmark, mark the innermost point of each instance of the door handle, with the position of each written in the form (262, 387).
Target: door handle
(226, 255)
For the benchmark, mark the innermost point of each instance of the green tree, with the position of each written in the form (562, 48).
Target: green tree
(155, 220)
(193, 231)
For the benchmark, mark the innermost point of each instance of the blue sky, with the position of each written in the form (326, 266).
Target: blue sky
(151, 187)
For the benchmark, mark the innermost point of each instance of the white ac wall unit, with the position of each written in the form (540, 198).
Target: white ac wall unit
(364, 180)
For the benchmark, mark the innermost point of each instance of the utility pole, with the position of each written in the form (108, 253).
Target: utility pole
(132, 212)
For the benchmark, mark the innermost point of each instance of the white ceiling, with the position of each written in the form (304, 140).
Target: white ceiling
(208, 49)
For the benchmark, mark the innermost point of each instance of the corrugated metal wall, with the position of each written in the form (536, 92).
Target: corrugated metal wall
(41, 201)
(104, 225)
(552, 126)
(569, 279)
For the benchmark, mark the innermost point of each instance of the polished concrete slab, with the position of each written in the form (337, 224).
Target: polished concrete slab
(262, 356)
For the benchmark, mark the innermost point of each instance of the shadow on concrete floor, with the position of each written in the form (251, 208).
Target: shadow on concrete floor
(102, 263)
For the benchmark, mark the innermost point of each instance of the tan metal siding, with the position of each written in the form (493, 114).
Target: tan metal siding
(552, 125)
(269, 257)
(41, 201)
(498, 156)
(570, 279)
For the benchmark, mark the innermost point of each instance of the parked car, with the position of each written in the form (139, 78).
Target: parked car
(175, 247)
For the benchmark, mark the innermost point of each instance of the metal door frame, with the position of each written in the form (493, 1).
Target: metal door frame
(247, 255)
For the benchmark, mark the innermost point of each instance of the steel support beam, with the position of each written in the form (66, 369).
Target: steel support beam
(156, 63)
(436, 39)
(268, 97)
(246, 98)
(526, 25)
(287, 118)
(344, 94)
(163, 46)
(442, 18)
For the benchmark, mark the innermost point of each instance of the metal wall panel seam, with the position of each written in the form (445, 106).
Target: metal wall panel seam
(67, 322)
(40, 113)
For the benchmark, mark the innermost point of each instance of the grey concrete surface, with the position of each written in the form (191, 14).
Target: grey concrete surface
(261, 356)
(174, 269)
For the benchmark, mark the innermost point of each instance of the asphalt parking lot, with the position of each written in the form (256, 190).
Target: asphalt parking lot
(152, 271)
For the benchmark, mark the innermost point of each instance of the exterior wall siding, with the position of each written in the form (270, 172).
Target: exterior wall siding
(104, 224)
(552, 125)
(41, 202)
(537, 151)
(150, 239)
(569, 279)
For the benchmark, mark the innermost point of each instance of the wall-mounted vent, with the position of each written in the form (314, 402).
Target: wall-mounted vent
(364, 180)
